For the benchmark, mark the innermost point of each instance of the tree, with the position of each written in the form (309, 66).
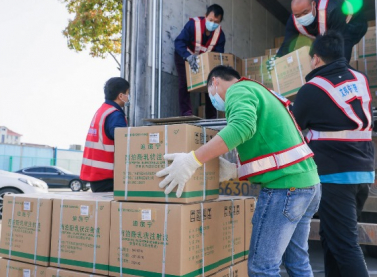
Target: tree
(97, 24)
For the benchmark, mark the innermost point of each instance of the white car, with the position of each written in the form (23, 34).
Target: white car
(18, 183)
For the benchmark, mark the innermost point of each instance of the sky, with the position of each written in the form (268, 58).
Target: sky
(48, 93)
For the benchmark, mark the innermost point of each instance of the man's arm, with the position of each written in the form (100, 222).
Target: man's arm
(290, 38)
(301, 108)
(114, 120)
(184, 39)
(336, 20)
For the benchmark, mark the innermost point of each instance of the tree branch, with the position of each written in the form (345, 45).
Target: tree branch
(115, 59)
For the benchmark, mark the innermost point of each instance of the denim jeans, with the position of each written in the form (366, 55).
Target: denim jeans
(281, 225)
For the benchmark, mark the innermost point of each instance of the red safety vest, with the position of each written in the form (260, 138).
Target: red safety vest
(200, 28)
(322, 20)
(277, 160)
(98, 161)
(342, 94)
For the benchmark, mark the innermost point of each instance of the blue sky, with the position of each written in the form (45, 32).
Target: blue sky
(48, 93)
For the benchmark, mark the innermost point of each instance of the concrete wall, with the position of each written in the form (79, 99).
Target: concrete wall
(248, 27)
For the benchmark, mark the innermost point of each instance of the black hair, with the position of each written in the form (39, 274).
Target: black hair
(225, 73)
(217, 10)
(329, 46)
(114, 86)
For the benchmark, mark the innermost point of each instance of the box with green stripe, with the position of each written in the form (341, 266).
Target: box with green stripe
(26, 228)
(237, 270)
(9, 268)
(57, 272)
(175, 240)
(367, 45)
(81, 233)
(139, 155)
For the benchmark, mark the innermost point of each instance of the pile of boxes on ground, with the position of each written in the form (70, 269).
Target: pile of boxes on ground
(137, 231)
(290, 70)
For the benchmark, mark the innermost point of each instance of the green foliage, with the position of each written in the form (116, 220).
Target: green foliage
(97, 24)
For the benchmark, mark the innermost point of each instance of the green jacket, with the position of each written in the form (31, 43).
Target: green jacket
(259, 124)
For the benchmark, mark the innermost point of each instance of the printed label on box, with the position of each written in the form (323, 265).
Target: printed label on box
(154, 138)
(26, 206)
(26, 273)
(146, 215)
(290, 59)
(255, 60)
(84, 210)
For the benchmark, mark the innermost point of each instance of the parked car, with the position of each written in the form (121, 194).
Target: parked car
(18, 183)
(55, 177)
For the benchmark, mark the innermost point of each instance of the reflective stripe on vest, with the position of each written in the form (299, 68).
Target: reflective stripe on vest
(340, 135)
(343, 93)
(279, 159)
(99, 146)
(98, 164)
(274, 161)
(199, 47)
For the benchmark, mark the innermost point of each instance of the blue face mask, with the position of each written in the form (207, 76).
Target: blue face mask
(306, 19)
(217, 101)
(211, 26)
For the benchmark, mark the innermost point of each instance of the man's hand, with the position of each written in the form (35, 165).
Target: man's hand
(228, 170)
(193, 62)
(271, 63)
(179, 172)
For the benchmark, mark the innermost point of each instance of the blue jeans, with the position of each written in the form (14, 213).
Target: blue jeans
(281, 225)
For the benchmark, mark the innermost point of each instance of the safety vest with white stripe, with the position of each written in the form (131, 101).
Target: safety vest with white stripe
(277, 160)
(197, 45)
(322, 20)
(98, 160)
(342, 95)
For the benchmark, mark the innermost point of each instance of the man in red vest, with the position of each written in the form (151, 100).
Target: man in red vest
(200, 35)
(98, 162)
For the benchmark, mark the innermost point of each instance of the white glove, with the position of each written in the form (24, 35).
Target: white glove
(179, 172)
(228, 170)
(271, 63)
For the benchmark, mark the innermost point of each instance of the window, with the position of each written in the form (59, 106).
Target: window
(50, 170)
(34, 170)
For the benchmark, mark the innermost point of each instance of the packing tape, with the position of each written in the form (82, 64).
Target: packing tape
(166, 152)
(8, 265)
(245, 67)
(189, 73)
(35, 271)
(355, 57)
(58, 273)
(231, 271)
(201, 60)
(120, 241)
(299, 68)
(363, 47)
(60, 231)
(261, 69)
(127, 163)
(164, 238)
(232, 218)
(204, 165)
(11, 227)
(366, 66)
(277, 78)
(36, 232)
(221, 59)
(95, 237)
(202, 217)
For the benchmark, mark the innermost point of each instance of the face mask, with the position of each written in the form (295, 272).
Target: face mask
(126, 103)
(211, 26)
(217, 101)
(306, 19)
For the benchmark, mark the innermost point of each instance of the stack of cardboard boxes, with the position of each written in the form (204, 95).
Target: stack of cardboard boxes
(137, 231)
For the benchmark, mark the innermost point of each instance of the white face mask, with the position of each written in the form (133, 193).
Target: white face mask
(306, 19)
(126, 103)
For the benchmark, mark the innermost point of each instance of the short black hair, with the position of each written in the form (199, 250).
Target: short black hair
(223, 72)
(329, 46)
(114, 86)
(217, 10)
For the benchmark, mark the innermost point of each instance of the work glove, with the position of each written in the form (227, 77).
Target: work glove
(179, 172)
(228, 170)
(271, 63)
(193, 62)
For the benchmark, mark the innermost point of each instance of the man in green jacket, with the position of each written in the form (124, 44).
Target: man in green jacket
(272, 153)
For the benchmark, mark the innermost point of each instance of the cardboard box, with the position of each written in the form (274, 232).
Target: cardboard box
(250, 204)
(81, 233)
(369, 67)
(289, 73)
(367, 45)
(238, 64)
(175, 238)
(220, 114)
(202, 98)
(355, 53)
(57, 272)
(354, 64)
(237, 270)
(271, 52)
(137, 163)
(9, 268)
(279, 41)
(197, 82)
(372, 23)
(26, 228)
(202, 111)
(239, 188)
(255, 66)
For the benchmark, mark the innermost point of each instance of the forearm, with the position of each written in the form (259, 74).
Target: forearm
(213, 149)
